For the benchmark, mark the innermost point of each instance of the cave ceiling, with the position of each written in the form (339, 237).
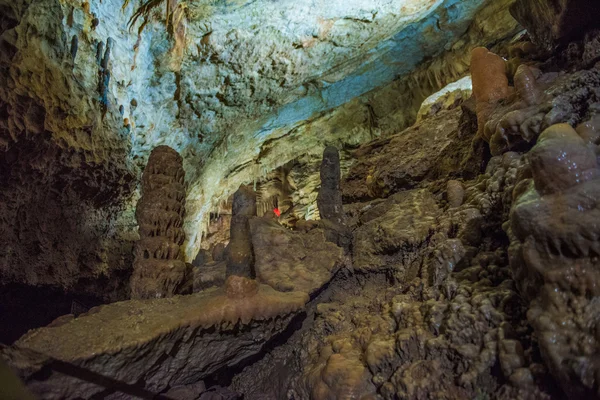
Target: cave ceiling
(241, 87)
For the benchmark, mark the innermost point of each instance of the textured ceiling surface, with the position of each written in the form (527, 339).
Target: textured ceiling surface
(240, 87)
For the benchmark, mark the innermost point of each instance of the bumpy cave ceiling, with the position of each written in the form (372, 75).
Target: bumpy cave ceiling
(236, 87)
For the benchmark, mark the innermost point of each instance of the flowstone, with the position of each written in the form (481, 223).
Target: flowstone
(147, 346)
(554, 256)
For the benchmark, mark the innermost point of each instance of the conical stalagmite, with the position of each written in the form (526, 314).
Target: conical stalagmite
(159, 269)
(240, 256)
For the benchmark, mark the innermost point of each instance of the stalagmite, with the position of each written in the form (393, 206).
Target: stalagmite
(490, 83)
(159, 269)
(329, 199)
(240, 256)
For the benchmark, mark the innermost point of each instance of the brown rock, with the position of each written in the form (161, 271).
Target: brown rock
(456, 193)
(490, 84)
(554, 256)
(430, 150)
(159, 269)
(240, 256)
(329, 199)
(288, 260)
(552, 23)
(153, 343)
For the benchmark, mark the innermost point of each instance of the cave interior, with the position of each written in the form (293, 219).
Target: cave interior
(300, 200)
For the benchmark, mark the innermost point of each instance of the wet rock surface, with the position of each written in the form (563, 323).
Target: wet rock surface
(464, 263)
(554, 252)
(427, 151)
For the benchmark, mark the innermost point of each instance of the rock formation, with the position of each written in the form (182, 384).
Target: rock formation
(160, 342)
(422, 152)
(551, 23)
(159, 269)
(240, 255)
(329, 199)
(293, 261)
(554, 256)
(457, 252)
(490, 83)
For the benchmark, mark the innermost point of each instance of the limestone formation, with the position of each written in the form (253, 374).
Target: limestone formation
(405, 221)
(554, 256)
(240, 255)
(542, 101)
(457, 259)
(155, 344)
(552, 23)
(293, 261)
(159, 269)
(329, 199)
(526, 85)
(490, 83)
(422, 152)
(456, 193)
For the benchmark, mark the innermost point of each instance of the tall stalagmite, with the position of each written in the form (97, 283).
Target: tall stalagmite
(329, 199)
(159, 269)
(240, 256)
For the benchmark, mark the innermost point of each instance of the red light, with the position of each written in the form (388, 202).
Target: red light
(277, 212)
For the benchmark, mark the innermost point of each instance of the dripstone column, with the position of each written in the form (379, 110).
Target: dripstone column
(158, 268)
(329, 199)
(240, 255)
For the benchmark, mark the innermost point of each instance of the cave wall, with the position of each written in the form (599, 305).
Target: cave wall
(64, 169)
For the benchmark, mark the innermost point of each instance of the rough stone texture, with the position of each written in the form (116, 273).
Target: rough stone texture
(389, 165)
(65, 172)
(209, 275)
(490, 83)
(322, 116)
(240, 255)
(217, 102)
(455, 329)
(451, 96)
(293, 261)
(455, 193)
(551, 23)
(158, 268)
(554, 256)
(392, 232)
(567, 98)
(329, 199)
(152, 344)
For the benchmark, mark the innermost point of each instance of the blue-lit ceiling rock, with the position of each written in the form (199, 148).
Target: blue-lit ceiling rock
(239, 88)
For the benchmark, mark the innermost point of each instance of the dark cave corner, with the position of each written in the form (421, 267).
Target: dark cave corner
(268, 201)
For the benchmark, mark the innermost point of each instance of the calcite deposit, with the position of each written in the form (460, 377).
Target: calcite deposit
(269, 200)
(162, 342)
(555, 253)
(239, 252)
(329, 199)
(158, 268)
